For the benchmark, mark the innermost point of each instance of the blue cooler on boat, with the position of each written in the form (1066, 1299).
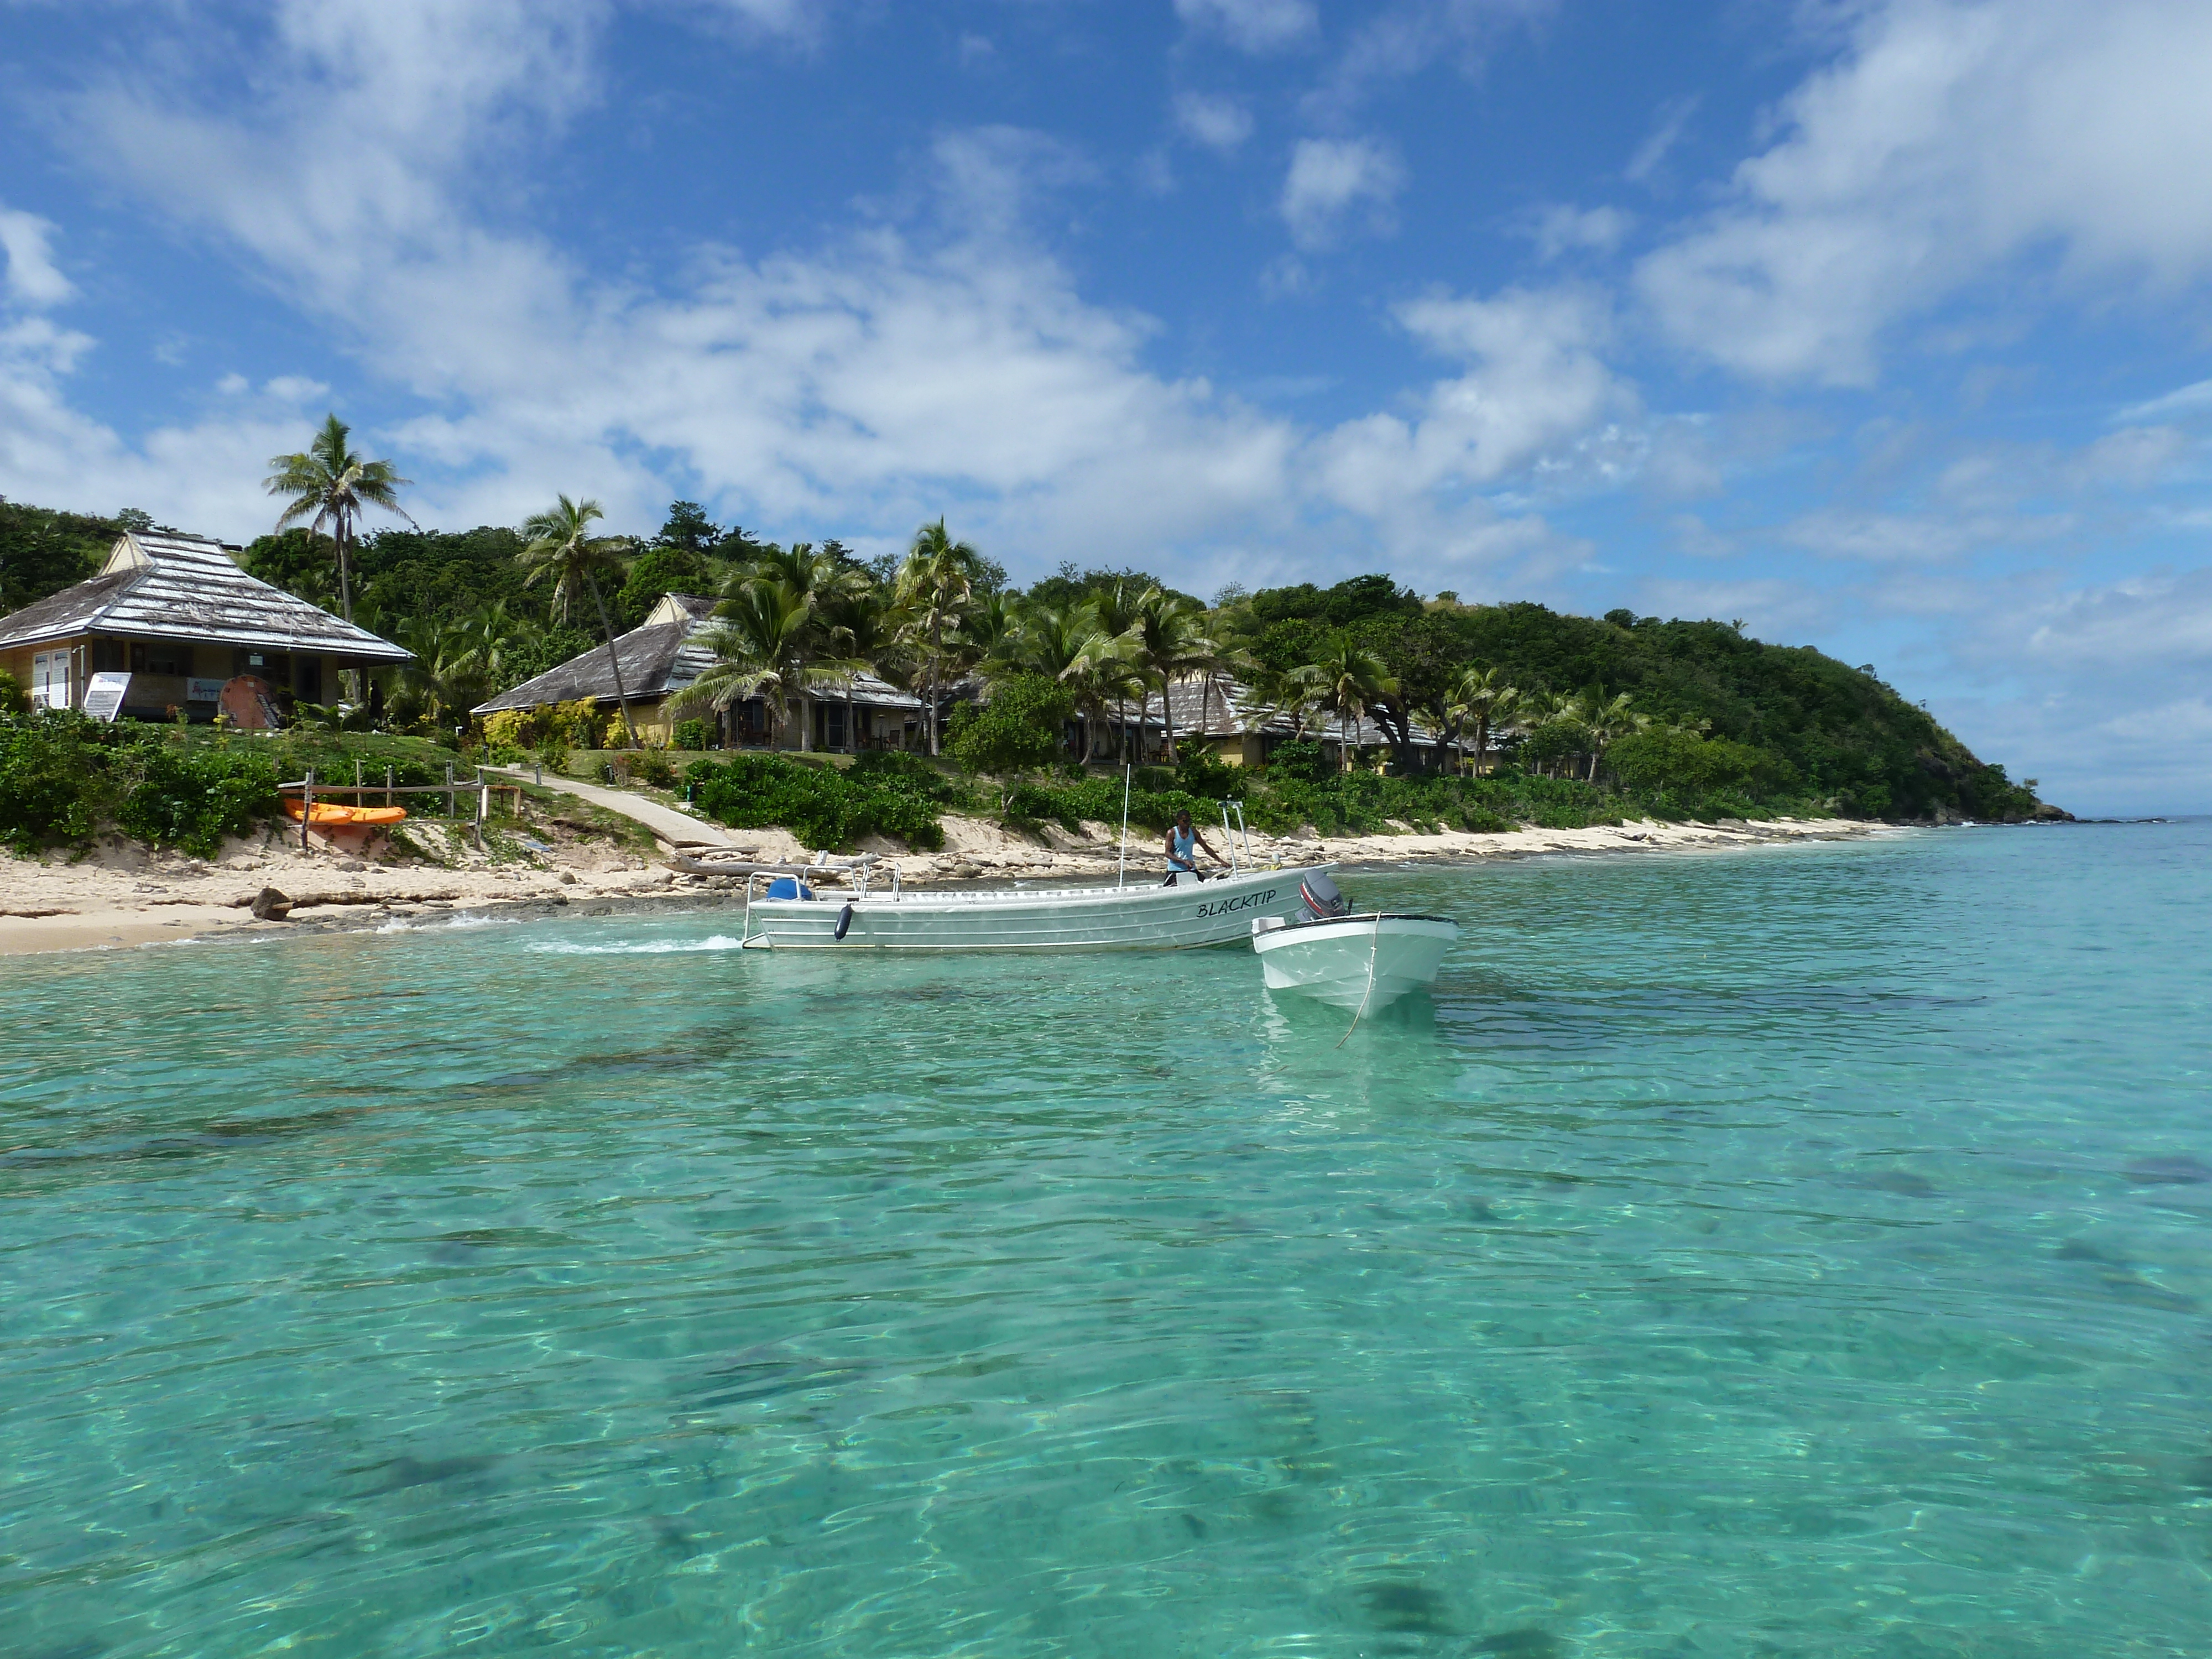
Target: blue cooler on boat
(788, 887)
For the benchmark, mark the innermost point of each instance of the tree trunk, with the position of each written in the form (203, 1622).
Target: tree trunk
(614, 661)
(852, 743)
(805, 723)
(345, 574)
(936, 664)
(1167, 723)
(1481, 741)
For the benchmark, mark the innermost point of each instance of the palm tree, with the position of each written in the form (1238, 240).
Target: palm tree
(1120, 604)
(1169, 640)
(327, 484)
(1347, 680)
(824, 580)
(561, 544)
(1477, 695)
(860, 625)
(1068, 643)
(935, 585)
(1608, 722)
(766, 646)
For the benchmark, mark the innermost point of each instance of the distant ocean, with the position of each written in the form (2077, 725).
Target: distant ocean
(1805, 1250)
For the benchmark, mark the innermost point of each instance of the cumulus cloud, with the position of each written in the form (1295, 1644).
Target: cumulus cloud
(1951, 139)
(1533, 382)
(1256, 26)
(33, 278)
(1560, 229)
(1219, 122)
(1333, 179)
(861, 383)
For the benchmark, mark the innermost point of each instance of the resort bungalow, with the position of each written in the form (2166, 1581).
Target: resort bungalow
(663, 656)
(177, 615)
(1221, 714)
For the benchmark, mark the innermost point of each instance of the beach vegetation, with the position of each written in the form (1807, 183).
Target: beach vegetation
(828, 808)
(1022, 728)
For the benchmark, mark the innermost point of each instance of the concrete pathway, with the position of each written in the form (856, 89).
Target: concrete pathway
(677, 827)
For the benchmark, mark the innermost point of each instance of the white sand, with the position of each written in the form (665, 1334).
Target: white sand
(119, 894)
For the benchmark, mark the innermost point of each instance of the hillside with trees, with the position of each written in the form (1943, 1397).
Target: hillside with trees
(1537, 716)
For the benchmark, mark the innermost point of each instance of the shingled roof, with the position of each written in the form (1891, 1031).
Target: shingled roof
(664, 654)
(162, 586)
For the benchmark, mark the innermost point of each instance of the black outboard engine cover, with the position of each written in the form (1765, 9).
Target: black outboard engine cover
(1322, 899)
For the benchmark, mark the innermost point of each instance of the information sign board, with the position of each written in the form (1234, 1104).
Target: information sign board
(104, 695)
(202, 690)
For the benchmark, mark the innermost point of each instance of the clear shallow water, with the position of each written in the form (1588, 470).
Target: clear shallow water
(1794, 1252)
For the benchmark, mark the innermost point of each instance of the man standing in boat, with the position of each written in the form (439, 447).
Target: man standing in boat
(1184, 844)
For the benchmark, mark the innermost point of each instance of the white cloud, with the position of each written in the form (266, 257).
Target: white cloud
(1666, 132)
(1406, 36)
(1951, 138)
(1562, 229)
(853, 386)
(33, 278)
(1257, 26)
(1534, 383)
(1329, 178)
(2190, 400)
(1219, 122)
(1911, 537)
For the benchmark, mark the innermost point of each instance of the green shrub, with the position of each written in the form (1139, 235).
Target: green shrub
(692, 735)
(54, 785)
(1022, 727)
(824, 807)
(192, 800)
(1300, 761)
(63, 775)
(653, 766)
(1203, 772)
(14, 700)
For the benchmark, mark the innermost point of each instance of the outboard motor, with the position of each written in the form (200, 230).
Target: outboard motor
(1322, 899)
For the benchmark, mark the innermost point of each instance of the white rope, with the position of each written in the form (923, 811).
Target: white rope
(1374, 943)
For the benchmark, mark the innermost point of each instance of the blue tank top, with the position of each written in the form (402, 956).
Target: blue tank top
(1181, 843)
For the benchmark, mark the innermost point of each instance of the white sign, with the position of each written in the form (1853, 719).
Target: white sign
(104, 695)
(202, 690)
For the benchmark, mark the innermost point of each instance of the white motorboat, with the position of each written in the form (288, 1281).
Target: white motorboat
(793, 915)
(1354, 961)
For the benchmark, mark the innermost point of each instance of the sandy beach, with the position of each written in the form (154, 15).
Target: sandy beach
(117, 893)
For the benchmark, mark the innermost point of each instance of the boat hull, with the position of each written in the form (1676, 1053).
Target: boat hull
(1329, 960)
(1150, 918)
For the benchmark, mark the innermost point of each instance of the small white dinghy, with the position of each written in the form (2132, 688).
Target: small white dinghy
(1361, 961)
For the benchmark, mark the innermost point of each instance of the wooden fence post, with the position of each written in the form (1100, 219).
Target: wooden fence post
(306, 807)
(451, 809)
(387, 786)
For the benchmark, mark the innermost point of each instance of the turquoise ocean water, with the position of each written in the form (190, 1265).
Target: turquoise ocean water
(1784, 1252)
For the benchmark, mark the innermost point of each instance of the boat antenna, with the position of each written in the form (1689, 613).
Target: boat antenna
(1121, 874)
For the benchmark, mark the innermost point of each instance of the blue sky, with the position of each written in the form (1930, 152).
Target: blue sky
(1881, 327)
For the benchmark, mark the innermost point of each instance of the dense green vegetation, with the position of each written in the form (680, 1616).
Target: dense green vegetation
(65, 776)
(1538, 717)
(42, 551)
(826, 807)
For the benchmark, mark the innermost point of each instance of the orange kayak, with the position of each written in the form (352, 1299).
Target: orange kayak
(330, 812)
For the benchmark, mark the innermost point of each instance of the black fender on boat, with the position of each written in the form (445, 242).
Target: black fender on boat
(844, 920)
